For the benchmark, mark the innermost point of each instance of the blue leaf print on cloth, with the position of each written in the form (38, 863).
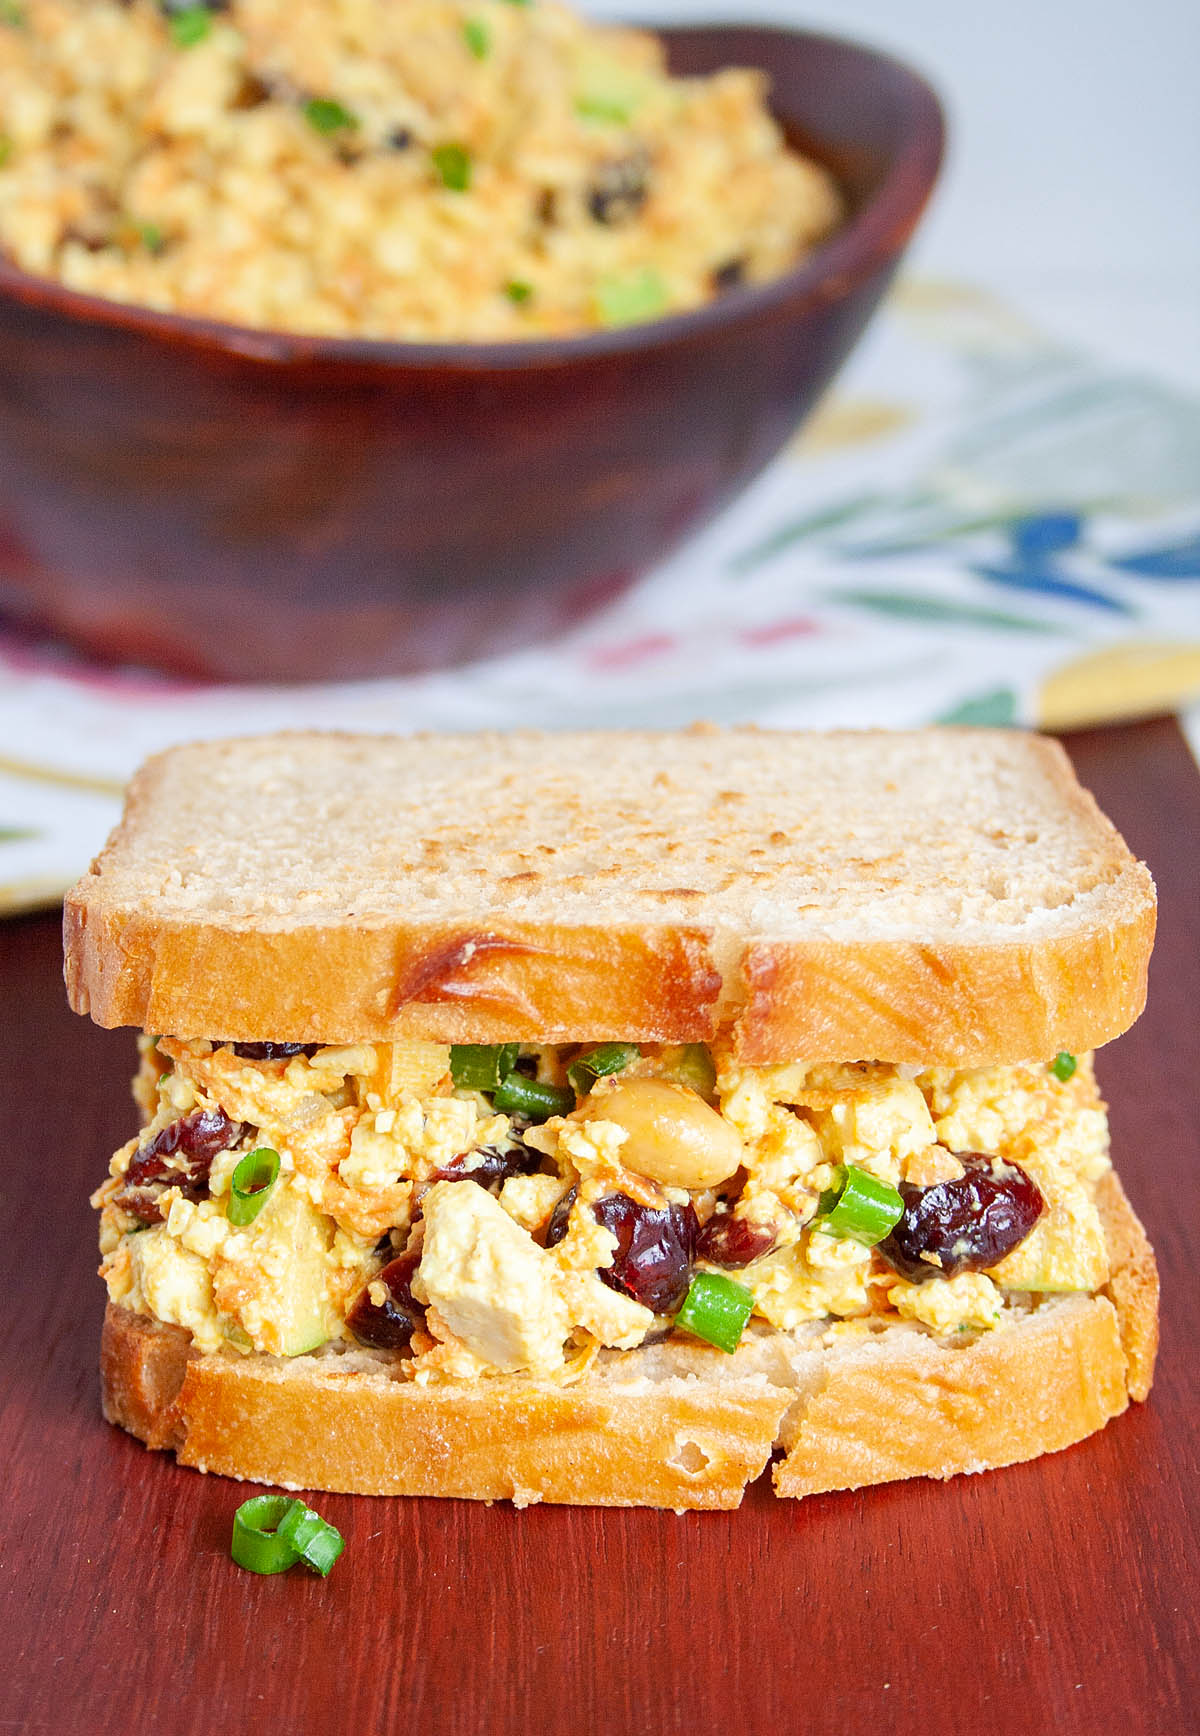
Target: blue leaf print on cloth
(1175, 561)
(1035, 541)
(1048, 533)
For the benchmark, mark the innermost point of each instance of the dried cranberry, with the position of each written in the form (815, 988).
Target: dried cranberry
(273, 1051)
(970, 1223)
(556, 1229)
(729, 1241)
(619, 189)
(193, 1142)
(655, 1247)
(729, 275)
(388, 1325)
(490, 1164)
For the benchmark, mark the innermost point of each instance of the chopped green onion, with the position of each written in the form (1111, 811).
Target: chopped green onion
(11, 12)
(481, 1066)
(478, 37)
(151, 237)
(6, 151)
(251, 1184)
(608, 1058)
(716, 1309)
(692, 1065)
(454, 166)
(859, 1206)
(316, 1543)
(608, 91)
(273, 1532)
(604, 108)
(518, 1095)
(518, 292)
(1063, 1065)
(190, 27)
(622, 301)
(325, 115)
(257, 1545)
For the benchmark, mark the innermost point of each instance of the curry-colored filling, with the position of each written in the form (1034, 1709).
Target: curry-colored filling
(376, 1148)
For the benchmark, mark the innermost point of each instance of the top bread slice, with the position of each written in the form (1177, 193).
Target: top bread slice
(932, 897)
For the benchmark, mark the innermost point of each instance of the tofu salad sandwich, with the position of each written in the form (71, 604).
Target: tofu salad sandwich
(592, 1117)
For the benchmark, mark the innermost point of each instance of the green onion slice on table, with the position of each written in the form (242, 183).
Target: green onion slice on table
(608, 1058)
(316, 1543)
(481, 1066)
(859, 1206)
(716, 1309)
(273, 1532)
(257, 1545)
(252, 1184)
(517, 1095)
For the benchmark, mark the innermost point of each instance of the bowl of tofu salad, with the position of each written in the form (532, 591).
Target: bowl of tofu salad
(346, 337)
(288, 1199)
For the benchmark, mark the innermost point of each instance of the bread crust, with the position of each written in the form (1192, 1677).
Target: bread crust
(530, 960)
(673, 1425)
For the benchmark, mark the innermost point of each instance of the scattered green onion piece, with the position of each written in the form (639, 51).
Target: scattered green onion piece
(518, 1095)
(478, 37)
(518, 292)
(190, 27)
(716, 1309)
(693, 1067)
(859, 1207)
(622, 301)
(11, 12)
(151, 237)
(454, 166)
(481, 1066)
(1063, 1065)
(6, 149)
(316, 1543)
(608, 91)
(604, 108)
(257, 1544)
(325, 115)
(608, 1058)
(252, 1184)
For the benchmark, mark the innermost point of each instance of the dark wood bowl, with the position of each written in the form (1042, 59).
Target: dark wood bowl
(251, 505)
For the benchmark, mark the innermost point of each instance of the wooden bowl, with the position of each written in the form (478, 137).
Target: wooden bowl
(249, 505)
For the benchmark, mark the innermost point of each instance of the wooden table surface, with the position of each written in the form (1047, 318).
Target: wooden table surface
(1053, 1597)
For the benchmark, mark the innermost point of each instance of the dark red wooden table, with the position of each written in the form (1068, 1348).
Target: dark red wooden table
(1053, 1597)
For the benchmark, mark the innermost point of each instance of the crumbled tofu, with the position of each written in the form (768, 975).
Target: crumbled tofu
(172, 1284)
(530, 1199)
(489, 1281)
(970, 1302)
(415, 1140)
(876, 1129)
(614, 1319)
(931, 1165)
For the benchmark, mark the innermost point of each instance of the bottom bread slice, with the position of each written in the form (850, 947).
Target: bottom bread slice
(674, 1424)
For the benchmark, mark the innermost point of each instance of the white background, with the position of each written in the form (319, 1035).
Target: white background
(1073, 185)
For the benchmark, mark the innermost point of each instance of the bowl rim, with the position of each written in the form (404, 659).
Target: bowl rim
(873, 236)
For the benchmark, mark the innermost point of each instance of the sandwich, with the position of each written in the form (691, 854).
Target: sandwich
(595, 1118)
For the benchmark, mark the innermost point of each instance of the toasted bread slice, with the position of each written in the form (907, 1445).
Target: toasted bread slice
(674, 1424)
(947, 897)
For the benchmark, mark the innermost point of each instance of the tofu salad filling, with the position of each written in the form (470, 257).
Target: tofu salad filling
(516, 1209)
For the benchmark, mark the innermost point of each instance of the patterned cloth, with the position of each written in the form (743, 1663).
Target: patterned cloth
(981, 526)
